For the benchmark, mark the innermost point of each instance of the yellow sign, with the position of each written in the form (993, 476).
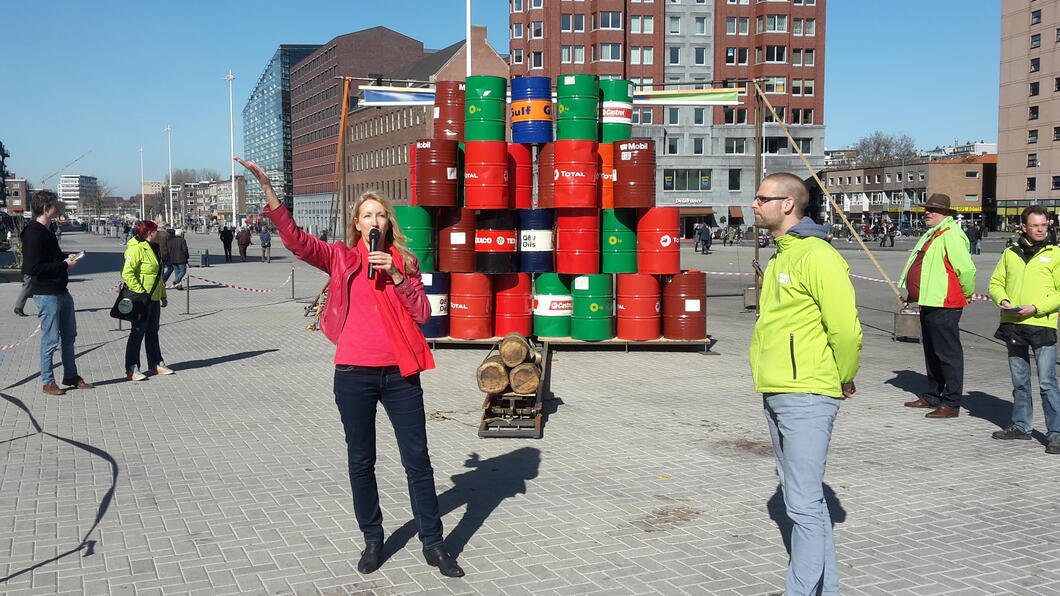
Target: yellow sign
(919, 209)
(968, 209)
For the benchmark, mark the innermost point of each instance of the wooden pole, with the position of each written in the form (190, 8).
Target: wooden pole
(340, 163)
(759, 116)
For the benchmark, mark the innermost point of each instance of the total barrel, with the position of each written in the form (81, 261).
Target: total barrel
(417, 224)
(436, 285)
(512, 304)
(436, 181)
(456, 240)
(552, 305)
(531, 110)
(484, 104)
(449, 110)
(616, 111)
(577, 241)
(486, 175)
(635, 173)
(546, 161)
(470, 306)
(685, 306)
(606, 163)
(593, 307)
(618, 247)
(658, 241)
(535, 240)
(520, 176)
(575, 174)
(496, 245)
(639, 307)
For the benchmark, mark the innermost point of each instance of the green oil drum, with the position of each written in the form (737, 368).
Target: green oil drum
(552, 305)
(485, 107)
(618, 243)
(578, 85)
(592, 316)
(418, 225)
(616, 111)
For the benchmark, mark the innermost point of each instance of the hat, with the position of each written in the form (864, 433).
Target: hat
(938, 202)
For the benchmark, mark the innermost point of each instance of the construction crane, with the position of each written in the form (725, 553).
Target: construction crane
(53, 174)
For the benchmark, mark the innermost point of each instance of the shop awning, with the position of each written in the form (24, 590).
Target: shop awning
(697, 211)
(735, 211)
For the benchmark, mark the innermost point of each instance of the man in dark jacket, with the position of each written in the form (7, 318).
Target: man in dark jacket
(178, 258)
(43, 260)
(226, 240)
(243, 240)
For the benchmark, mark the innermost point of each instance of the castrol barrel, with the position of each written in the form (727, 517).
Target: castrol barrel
(593, 308)
(606, 164)
(418, 226)
(616, 111)
(496, 245)
(436, 286)
(577, 241)
(449, 110)
(470, 306)
(578, 107)
(618, 245)
(552, 305)
(685, 306)
(512, 304)
(484, 108)
(436, 172)
(520, 176)
(486, 175)
(638, 307)
(531, 110)
(535, 240)
(635, 174)
(545, 164)
(456, 240)
(658, 241)
(574, 174)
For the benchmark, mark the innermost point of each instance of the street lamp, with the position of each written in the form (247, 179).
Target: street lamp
(141, 183)
(232, 143)
(169, 185)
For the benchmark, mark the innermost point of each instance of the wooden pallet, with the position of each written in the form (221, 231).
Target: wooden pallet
(511, 415)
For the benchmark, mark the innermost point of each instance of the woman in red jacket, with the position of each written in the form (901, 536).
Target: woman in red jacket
(380, 353)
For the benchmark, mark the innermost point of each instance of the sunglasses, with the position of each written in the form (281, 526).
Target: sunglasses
(763, 199)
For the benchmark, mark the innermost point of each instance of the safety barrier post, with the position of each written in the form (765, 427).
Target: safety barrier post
(292, 283)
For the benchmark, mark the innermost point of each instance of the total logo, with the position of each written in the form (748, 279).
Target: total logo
(471, 175)
(666, 240)
(567, 174)
(458, 306)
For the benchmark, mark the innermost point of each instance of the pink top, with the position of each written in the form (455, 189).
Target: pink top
(363, 341)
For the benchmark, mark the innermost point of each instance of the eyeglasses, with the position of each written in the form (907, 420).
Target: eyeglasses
(761, 199)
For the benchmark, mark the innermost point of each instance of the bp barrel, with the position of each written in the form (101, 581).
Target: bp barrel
(616, 111)
(496, 244)
(578, 107)
(535, 240)
(418, 225)
(638, 307)
(574, 174)
(486, 174)
(531, 110)
(520, 176)
(470, 306)
(685, 306)
(437, 166)
(436, 286)
(456, 240)
(552, 305)
(484, 108)
(658, 240)
(449, 110)
(577, 241)
(546, 161)
(593, 308)
(606, 164)
(635, 173)
(618, 246)
(512, 304)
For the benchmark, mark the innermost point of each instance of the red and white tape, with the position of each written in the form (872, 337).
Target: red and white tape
(242, 288)
(28, 337)
(977, 297)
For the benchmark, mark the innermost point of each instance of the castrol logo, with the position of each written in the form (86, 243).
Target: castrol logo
(634, 146)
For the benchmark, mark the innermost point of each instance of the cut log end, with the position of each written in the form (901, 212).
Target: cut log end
(525, 378)
(492, 375)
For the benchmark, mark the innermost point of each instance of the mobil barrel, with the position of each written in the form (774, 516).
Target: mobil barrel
(606, 163)
(552, 305)
(577, 241)
(412, 174)
(535, 240)
(593, 308)
(545, 163)
(685, 306)
(456, 240)
(578, 107)
(470, 306)
(485, 108)
(449, 110)
(658, 241)
(486, 174)
(512, 304)
(635, 173)
(418, 226)
(496, 245)
(436, 286)
(436, 172)
(574, 174)
(531, 110)
(520, 176)
(616, 111)
(638, 307)
(618, 246)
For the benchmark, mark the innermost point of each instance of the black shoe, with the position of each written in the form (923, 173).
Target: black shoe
(1012, 432)
(1054, 445)
(20, 312)
(370, 557)
(438, 557)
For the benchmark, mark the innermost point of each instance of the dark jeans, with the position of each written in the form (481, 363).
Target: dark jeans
(27, 291)
(357, 391)
(228, 251)
(940, 328)
(146, 328)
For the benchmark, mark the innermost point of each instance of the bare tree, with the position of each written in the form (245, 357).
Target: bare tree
(880, 148)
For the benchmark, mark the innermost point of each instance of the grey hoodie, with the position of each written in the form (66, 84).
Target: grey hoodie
(806, 228)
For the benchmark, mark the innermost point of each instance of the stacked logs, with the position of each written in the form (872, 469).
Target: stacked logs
(516, 368)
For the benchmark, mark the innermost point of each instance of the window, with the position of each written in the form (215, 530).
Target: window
(537, 60)
(734, 179)
(735, 115)
(1036, 40)
(1032, 136)
(517, 56)
(1056, 84)
(737, 25)
(675, 25)
(671, 145)
(700, 56)
(610, 52)
(730, 25)
(806, 146)
(745, 23)
(698, 115)
(536, 3)
(1056, 133)
(566, 55)
(701, 25)
(648, 24)
(1036, 17)
(1032, 89)
(734, 56)
(734, 146)
(517, 5)
(610, 20)
(673, 115)
(804, 2)
(1032, 160)
(774, 144)
(686, 179)
(810, 28)
(773, 23)
(565, 22)
(1056, 186)
(674, 53)
(773, 54)
(642, 115)
(635, 24)
(517, 31)
(641, 55)
(579, 54)
(1036, 64)
(1032, 113)
(1032, 183)
(768, 116)
(775, 85)
(808, 56)
(802, 116)
(537, 29)
(697, 146)
(1058, 35)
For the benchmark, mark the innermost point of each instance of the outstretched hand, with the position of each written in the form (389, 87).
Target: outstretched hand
(263, 180)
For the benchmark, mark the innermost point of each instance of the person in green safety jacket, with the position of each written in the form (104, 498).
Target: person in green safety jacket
(142, 274)
(805, 352)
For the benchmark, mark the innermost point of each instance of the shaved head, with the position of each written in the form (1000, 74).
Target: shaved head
(790, 185)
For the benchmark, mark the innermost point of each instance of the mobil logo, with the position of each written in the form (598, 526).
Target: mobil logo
(423, 144)
(632, 146)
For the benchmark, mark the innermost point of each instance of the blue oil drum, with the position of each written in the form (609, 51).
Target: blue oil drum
(532, 110)
(436, 285)
(536, 240)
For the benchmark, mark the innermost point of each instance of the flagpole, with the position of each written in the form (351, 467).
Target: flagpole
(467, 39)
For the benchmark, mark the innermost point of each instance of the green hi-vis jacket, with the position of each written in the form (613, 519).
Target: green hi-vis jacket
(142, 269)
(1036, 282)
(947, 274)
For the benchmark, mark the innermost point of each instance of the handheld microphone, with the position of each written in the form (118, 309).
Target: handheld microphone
(373, 245)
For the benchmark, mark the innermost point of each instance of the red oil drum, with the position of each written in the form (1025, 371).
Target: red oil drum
(412, 174)
(496, 241)
(545, 163)
(685, 306)
(575, 173)
(520, 176)
(577, 241)
(436, 173)
(639, 306)
(634, 174)
(470, 306)
(449, 110)
(513, 304)
(486, 175)
(606, 163)
(456, 240)
(658, 240)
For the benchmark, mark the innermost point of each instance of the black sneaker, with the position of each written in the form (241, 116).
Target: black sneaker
(1054, 444)
(1015, 432)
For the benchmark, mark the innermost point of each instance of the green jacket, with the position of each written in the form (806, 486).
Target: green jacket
(948, 251)
(808, 337)
(142, 269)
(1036, 282)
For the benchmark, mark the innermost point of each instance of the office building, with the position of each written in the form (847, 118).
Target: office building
(74, 188)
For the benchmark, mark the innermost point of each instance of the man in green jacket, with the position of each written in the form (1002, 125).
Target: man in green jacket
(940, 277)
(1026, 285)
(805, 352)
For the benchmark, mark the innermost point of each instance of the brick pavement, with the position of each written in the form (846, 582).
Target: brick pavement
(655, 474)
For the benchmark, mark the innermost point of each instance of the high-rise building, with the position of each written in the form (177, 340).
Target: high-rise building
(267, 125)
(74, 188)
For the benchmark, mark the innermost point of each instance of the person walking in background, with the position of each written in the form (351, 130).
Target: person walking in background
(323, 236)
(142, 274)
(226, 241)
(974, 238)
(125, 230)
(266, 245)
(162, 240)
(703, 238)
(695, 236)
(243, 240)
(178, 257)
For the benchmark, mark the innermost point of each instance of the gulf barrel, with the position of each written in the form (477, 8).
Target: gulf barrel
(616, 111)
(685, 306)
(449, 110)
(545, 163)
(484, 108)
(577, 241)
(470, 306)
(496, 244)
(531, 110)
(512, 304)
(578, 107)
(639, 307)
(618, 246)
(418, 226)
(520, 176)
(658, 241)
(574, 174)
(486, 175)
(552, 305)
(606, 164)
(592, 316)
(635, 174)
(536, 240)
(436, 173)
(456, 240)
(436, 286)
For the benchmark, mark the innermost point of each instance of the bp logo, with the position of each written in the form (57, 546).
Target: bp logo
(612, 240)
(665, 240)
(472, 109)
(595, 307)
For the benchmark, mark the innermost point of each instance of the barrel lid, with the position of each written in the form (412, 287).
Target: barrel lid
(412, 216)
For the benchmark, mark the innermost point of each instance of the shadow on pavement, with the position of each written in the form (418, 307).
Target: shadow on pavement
(778, 513)
(908, 380)
(57, 366)
(190, 364)
(988, 407)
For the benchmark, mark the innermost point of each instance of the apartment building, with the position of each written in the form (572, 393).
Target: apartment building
(74, 188)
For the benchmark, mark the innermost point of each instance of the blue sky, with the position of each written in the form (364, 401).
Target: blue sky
(109, 76)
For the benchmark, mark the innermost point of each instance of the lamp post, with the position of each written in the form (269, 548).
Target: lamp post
(169, 185)
(141, 183)
(232, 143)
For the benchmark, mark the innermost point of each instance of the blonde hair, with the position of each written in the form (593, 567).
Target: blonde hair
(394, 236)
